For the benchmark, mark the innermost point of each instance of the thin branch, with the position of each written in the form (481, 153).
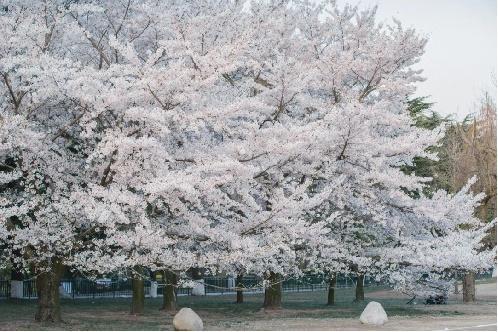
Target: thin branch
(253, 157)
(64, 129)
(92, 41)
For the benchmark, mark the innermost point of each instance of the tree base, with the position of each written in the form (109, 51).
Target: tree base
(331, 292)
(169, 292)
(240, 298)
(273, 293)
(138, 296)
(469, 287)
(240, 293)
(360, 290)
(47, 287)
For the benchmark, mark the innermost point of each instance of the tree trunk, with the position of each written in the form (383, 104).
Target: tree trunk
(331, 294)
(47, 287)
(169, 291)
(469, 287)
(273, 293)
(240, 292)
(138, 297)
(360, 290)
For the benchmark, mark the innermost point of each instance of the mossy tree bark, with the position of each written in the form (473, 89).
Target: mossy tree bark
(360, 288)
(469, 287)
(169, 291)
(47, 288)
(331, 294)
(240, 292)
(273, 293)
(138, 293)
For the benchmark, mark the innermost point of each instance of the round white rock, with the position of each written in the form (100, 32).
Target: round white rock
(373, 314)
(187, 320)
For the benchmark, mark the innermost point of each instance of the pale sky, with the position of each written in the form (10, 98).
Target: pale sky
(460, 57)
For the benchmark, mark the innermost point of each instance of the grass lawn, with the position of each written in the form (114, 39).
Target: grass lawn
(218, 312)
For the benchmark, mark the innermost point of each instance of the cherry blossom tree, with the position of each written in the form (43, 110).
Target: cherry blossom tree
(98, 140)
(263, 138)
(41, 161)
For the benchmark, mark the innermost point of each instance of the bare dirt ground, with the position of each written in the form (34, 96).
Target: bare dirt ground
(482, 322)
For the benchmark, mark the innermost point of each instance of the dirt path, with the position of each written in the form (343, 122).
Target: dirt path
(486, 322)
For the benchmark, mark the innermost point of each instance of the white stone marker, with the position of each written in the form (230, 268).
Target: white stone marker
(16, 287)
(153, 289)
(373, 314)
(187, 320)
(198, 289)
(62, 293)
